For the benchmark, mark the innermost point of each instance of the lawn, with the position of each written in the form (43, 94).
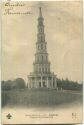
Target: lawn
(39, 97)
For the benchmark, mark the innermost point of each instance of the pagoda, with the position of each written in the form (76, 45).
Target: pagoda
(41, 77)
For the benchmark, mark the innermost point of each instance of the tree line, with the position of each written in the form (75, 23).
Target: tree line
(69, 85)
(19, 83)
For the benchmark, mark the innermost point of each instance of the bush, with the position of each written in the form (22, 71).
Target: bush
(18, 83)
(6, 85)
(69, 85)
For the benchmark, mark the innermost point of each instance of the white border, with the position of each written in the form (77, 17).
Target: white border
(44, 0)
(0, 61)
(83, 63)
(1, 41)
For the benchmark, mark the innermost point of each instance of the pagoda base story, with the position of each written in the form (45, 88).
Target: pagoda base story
(42, 81)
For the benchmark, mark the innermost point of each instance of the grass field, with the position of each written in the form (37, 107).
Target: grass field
(39, 97)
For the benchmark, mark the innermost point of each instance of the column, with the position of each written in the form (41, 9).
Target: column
(29, 82)
(35, 82)
(55, 83)
(47, 83)
(52, 81)
(41, 82)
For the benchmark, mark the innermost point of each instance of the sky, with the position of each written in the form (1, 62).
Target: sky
(63, 34)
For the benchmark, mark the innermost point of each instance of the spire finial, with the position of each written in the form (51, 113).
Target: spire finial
(40, 12)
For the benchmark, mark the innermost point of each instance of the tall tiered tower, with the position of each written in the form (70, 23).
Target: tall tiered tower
(41, 76)
(41, 64)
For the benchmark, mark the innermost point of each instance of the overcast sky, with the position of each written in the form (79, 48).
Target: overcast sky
(63, 30)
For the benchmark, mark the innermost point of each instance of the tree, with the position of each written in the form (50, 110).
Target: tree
(69, 85)
(6, 85)
(19, 83)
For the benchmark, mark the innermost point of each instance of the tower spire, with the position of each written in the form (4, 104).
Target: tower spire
(40, 12)
(40, 35)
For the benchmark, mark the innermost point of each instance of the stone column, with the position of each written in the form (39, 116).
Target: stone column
(31, 82)
(35, 83)
(55, 83)
(47, 83)
(41, 82)
(28, 83)
(52, 81)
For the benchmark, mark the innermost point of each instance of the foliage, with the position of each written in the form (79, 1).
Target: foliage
(6, 85)
(69, 85)
(4, 98)
(18, 83)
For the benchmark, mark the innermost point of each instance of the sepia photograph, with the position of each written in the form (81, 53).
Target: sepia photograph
(42, 69)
